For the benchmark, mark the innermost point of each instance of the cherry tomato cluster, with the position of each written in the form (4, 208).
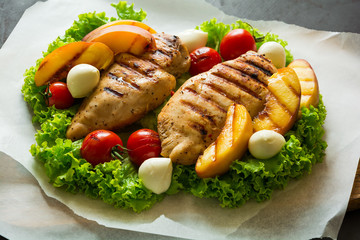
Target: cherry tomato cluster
(234, 44)
(102, 146)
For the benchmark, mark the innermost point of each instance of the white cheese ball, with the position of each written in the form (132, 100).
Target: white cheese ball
(193, 39)
(275, 52)
(156, 174)
(265, 144)
(82, 79)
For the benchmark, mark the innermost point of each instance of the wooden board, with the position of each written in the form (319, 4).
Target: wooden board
(354, 202)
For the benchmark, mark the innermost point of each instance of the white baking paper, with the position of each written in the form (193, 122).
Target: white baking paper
(313, 206)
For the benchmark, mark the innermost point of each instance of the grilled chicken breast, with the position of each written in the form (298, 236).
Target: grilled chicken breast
(170, 54)
(196, 113)
(131, 87)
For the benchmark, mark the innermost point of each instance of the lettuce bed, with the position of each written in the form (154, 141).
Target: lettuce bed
(117, 183)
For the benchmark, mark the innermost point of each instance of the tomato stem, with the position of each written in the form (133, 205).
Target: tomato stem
(252, 31)
(47, 93)
(259, 39)
(117, 153)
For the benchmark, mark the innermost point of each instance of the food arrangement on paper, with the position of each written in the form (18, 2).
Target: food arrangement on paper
(130, 115)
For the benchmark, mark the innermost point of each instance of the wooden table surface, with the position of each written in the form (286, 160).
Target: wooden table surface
(354, 202)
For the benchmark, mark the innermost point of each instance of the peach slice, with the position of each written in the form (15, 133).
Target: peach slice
(230, 145)
(282, 105)
(124, 38)
(308, 81)
(56, 65)
(119, 22)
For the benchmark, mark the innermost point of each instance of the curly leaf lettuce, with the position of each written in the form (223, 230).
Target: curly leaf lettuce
(117, 182)
(125, 11)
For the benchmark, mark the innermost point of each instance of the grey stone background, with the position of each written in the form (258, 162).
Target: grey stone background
(329, 15)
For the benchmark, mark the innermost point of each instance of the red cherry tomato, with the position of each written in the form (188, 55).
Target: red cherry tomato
(236, 43)
(203, 59)
(98, 146)
(59, 95)
(143, 144)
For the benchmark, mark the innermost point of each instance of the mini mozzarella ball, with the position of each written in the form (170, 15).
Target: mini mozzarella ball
(193, 39)
(265, 144)
(156, 174)
(275, 52)
(82, 79)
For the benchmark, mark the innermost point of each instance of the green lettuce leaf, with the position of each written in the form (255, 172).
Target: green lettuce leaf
(85, 24)
(125, 11)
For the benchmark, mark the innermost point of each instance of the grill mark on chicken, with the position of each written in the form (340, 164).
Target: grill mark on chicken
(250, 76)
(166, 50)
(198, 127)
(121, 80)
(147, 73)
(172, 57)
(260, 62)
(263, 58)
(113, 92)
(248, 70)
(210, 101)
(227, 78)
(221, 92)
(144, 68)
(259, 68)
(171, 42)
(200, 111)
(164, 53)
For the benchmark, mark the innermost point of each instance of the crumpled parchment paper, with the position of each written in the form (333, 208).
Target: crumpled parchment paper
(313, 206)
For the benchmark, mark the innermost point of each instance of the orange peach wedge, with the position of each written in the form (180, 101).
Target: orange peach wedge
(56, 65)
(308, 82)
(119, 22)
(123, 38)
(230, 145)
(282, 105)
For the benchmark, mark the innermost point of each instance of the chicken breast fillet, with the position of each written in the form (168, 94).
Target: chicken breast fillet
(196, 113)
(131, 87)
